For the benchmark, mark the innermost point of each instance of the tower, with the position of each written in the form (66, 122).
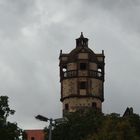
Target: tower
(81, 77)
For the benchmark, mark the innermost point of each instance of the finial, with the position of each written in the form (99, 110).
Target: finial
(81, 35)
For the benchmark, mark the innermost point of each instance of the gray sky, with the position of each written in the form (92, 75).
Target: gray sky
(32, 32)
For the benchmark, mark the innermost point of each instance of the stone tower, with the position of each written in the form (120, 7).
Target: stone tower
(81, 77)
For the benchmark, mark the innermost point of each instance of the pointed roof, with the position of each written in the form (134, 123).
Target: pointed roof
(81, 36)
(82, 46)
(128, 112)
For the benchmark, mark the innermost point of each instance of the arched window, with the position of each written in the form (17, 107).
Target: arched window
(99, 72)
(94, 105)
(64, 69)
(66, 106)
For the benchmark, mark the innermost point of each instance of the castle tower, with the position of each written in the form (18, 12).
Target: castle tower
(81, 77)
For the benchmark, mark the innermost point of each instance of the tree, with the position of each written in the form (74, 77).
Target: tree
(80, 124)
(93, 125)
(8, 130)
(115, 127)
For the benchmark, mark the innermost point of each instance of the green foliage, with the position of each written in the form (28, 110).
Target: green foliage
(93, 125)
(134, 120)
(8, 130)
(115, 127)
(80, 124)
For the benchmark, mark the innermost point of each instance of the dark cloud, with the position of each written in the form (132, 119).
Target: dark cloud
(33, 32)
(14, 15)
(125, 11)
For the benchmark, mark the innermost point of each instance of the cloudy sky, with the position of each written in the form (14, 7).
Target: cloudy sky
(32, 32)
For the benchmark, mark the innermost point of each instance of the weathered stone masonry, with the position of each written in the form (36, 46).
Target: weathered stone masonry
(81, 77)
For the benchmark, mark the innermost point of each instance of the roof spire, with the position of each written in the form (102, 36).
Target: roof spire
(81, 36)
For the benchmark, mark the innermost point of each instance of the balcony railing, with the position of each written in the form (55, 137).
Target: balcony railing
(90, 73)
(72, 73)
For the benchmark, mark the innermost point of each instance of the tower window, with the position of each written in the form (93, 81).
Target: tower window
(64, 69)
(83, 66)
(83, 85)
(66, 106)
(94, 105)
(99, 72)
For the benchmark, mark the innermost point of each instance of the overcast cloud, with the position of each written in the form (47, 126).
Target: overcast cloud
(32, 32)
